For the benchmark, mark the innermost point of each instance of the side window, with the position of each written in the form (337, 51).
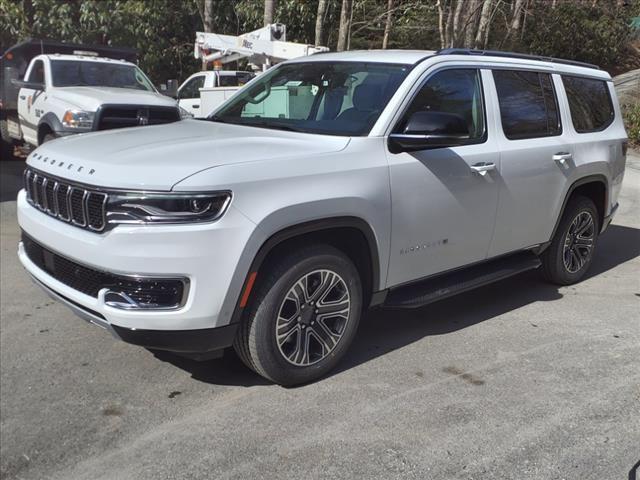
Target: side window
(456, 91)
(191, 89)
(528, 104)
(589, 102)
(37, 72)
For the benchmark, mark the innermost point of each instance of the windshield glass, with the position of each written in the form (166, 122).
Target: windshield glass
(74, 73)
(343, 98)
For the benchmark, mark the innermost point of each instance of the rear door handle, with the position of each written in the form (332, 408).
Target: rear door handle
(22, 97)
(562, 158)
(195, 106)
(483, 167)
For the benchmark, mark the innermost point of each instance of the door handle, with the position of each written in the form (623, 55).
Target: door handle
(562, 158)
(195, 106)
(483, 167)
(22, 97)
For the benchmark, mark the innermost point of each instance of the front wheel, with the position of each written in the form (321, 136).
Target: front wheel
(303, 316)
(570, 254)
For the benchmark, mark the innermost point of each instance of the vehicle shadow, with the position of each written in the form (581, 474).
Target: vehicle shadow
(382, 331)
(10, 179)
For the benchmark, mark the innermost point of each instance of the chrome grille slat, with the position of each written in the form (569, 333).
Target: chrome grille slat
(80, 206)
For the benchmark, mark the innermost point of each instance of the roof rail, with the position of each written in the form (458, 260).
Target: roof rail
(525, 56)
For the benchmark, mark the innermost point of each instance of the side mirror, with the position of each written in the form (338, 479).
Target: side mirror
(430, 130)
(25, 84)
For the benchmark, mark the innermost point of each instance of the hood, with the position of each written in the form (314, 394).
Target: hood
(158, 157)
(90, 98)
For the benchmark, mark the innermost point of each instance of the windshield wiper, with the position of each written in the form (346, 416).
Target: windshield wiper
(275, 126)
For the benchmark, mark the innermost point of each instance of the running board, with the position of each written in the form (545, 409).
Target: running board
(449, 284)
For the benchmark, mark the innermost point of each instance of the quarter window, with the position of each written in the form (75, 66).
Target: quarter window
(528, 105)
(456, 91)
(589, 102)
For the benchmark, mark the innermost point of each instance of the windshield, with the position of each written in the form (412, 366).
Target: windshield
(343, 98)
(74, 73)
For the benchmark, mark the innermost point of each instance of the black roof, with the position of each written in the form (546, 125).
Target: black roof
(31, 47)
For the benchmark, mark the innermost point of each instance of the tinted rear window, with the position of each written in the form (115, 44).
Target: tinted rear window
(589, 102)
(528, 106)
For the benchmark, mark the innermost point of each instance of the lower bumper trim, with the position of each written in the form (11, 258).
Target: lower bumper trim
(180, 341)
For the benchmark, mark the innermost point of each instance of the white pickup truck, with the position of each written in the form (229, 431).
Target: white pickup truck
(203, 92)
(67, 94)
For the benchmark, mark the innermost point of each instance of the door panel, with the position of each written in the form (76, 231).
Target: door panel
(443, 211)
(534, 173)
(189, 95)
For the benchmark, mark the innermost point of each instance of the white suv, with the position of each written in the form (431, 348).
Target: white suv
(326, 186)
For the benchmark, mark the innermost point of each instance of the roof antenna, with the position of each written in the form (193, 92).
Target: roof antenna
(41, 47)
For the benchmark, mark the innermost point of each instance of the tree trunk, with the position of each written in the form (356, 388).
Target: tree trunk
(443, 40)
(470, 23)
(388, 24)
(483, 25)
(269, 11)
(207, 15)
(517, 14)
(345, 20)
(455, 38)
(322, 9)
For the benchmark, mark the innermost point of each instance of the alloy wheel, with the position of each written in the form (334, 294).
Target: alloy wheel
(578, 243)
(313, 317)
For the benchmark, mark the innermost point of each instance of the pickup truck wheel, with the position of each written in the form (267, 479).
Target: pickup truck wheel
(569, 256)
(6, 144)
(48, 137)
(303, 316)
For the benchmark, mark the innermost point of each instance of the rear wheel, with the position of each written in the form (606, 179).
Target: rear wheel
(570, 254)
(303, 316)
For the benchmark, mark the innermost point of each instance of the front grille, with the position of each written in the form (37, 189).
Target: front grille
(121, 116)
(73, 204)
(146, 292)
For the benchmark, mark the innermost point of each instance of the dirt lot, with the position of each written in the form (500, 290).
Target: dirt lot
(518, 380)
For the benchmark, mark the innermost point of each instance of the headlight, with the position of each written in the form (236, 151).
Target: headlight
(153, 208)
(78, 119)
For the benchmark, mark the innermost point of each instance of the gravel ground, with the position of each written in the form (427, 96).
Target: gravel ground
(517, 380)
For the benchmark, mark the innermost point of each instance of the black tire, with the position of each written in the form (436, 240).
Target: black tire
(6, 144)
(48, 137)
(559, 264)
(256, 342)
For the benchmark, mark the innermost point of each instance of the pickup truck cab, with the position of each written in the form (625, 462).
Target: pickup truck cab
(67, 94)
(203, 92)
(375, 178)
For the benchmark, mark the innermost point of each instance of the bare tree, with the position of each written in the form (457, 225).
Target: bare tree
(345, 24)
(322, 10)
(388, 24)
(456, 34)
(205, 9)
(483, 25)
(441, 23)
(473, 10)
(269, 11)
(514, 27)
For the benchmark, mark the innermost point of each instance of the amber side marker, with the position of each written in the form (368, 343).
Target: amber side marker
(247, 289)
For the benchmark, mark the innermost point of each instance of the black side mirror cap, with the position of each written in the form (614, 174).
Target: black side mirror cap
(31, 85)
(428, 129)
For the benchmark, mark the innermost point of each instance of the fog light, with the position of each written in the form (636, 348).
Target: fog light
(141, 293)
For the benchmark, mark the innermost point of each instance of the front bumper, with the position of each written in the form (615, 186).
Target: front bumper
(211, 256)
(180, 341)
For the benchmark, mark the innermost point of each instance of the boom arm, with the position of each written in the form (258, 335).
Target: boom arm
(262, 48)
